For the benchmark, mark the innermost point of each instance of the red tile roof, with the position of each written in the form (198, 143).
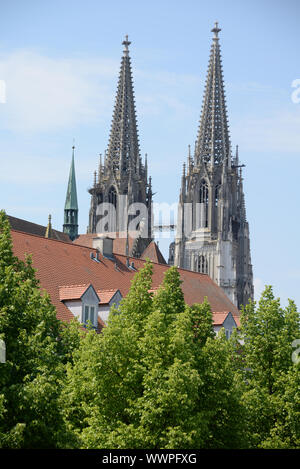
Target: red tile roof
(33, 228)
(62, 264)
(106, 295)
(119, 243)
(72, 292)
(153, 252)
(85, 240)
(219, 318)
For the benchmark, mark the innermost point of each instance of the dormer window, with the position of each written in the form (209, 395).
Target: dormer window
(89, 305)
(108, 298)
(82, 301)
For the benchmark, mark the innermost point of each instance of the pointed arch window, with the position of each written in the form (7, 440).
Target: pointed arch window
(217, 194)
(112, 196)
(203, 199)
(202, 264)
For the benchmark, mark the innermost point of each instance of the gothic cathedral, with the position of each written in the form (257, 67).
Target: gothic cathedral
(212, 230)
(212, 234)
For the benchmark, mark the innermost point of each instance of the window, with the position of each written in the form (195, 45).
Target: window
(112, 196)
(89, 314)
(217, 194)
(202, 265)
(228, 333)
(203, 198)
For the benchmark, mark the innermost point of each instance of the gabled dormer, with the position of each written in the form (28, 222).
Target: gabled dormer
(82, 301)
(225, 320)
(108, 299)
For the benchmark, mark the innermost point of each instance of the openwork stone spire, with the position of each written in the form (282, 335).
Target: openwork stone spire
(123, 177)
(212, 231)
(213, 144)
(123, 148)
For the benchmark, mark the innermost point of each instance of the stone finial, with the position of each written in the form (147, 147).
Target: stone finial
(100, 168)
(236, 155)
(48, 233)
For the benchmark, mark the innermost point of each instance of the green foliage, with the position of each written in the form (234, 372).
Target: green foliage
(156, 377)
(151, 380)
(266, 372)
(37, 345)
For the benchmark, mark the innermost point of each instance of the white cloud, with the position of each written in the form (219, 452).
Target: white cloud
(32, 169)
(265, 117)
(45, 93)
(28, 169)
(48, 94)
(278, 133)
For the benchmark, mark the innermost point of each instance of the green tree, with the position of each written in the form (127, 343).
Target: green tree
(106, 375)
(37, 347)
(267, 374)
(152, 379)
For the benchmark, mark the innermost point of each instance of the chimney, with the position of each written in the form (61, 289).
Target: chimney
(104, 245)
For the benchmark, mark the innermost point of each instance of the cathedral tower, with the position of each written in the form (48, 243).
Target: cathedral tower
(71, 206)
(212, 231)
(122, 179)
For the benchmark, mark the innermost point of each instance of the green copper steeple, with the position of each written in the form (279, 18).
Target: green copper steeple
(71, 206)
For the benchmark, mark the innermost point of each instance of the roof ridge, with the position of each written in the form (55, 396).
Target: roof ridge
(74, 285)
(52, 239)
(32, 223)
(165, 265)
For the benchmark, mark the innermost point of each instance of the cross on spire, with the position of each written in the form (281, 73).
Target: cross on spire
(126, 43)
(216, 30)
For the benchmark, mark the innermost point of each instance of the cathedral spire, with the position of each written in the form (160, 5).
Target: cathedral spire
(123, 144)
(212, 230)
(123, 177)
(213, 143)
(71, 206)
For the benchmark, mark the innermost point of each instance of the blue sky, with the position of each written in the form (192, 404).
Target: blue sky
(60, 63)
